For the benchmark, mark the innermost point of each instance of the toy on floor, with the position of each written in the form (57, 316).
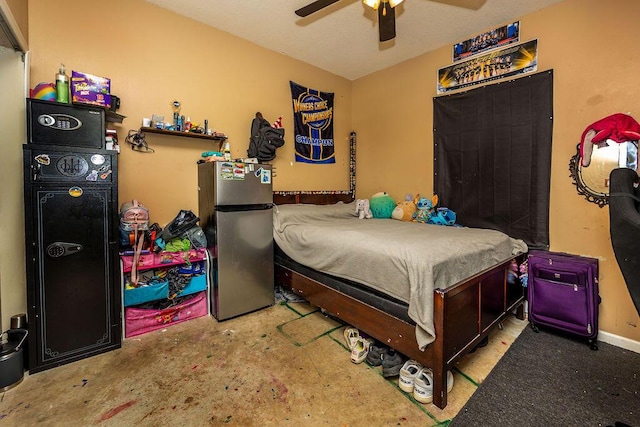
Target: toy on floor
(382, 205)
(405, 209)
(362, 209)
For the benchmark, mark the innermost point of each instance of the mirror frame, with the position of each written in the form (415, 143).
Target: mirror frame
(575, 169)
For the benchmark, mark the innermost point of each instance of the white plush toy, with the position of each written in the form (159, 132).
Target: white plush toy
(362, 209)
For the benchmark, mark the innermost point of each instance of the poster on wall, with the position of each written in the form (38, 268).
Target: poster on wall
(501, 36)
(497, 64)
(312, 125)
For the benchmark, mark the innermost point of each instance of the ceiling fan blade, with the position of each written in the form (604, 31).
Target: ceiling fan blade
(314, 7)
(386, 22)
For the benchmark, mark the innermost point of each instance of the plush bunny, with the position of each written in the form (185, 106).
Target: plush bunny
(362, 209)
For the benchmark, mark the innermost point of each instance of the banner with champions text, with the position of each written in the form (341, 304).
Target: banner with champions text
(312, 125)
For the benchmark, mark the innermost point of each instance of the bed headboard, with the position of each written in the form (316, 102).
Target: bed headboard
(316, 198)
(324, 197)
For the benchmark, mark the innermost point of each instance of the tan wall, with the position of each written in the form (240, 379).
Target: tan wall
(594, 76)
(154, 56)
(19, 11)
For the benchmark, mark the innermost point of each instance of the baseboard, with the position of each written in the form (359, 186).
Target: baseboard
(619, 341)
(607, 337)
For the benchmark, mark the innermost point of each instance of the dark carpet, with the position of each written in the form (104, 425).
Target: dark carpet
(546, 379)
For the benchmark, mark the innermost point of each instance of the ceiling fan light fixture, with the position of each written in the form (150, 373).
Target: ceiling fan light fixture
(394, 3)
(372, 3)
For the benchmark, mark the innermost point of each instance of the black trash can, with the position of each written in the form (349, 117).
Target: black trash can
(19, 321)
(12, 358)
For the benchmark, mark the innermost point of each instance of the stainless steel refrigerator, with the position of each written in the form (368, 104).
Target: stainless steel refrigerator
(235, 209)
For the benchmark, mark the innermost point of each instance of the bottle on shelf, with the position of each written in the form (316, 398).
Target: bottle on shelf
(226, 151)
(62, 86)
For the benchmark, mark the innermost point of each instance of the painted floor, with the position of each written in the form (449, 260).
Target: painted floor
(286, 365)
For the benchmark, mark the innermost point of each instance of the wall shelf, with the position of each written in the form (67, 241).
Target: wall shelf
(113, 117)
(216, 138)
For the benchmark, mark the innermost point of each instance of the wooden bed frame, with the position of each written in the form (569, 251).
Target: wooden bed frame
(464, 314)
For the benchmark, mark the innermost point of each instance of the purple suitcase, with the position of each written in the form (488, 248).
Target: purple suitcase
(563, 293)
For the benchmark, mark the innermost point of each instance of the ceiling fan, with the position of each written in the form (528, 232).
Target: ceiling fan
(386, 11)
(385, 8)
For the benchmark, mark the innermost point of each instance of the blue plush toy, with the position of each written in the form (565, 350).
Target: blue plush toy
(428, 213)
(425, 209)
(382, 205)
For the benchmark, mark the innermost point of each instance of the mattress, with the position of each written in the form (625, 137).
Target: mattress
(404, 260)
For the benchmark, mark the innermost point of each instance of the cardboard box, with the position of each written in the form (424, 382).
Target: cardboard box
(88, 82)
(91, 98)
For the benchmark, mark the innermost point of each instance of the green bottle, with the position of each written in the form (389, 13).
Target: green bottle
(62, 86)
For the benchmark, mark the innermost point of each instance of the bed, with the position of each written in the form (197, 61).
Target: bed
(431, 300)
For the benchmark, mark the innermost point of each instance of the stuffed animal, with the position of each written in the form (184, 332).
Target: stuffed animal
(382, 205)
(443, 216)
(425, 209)
(362, 209)
(404, 210)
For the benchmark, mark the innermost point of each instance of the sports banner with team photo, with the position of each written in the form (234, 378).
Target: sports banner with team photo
(312, 125)
(497, 64)
(501, 36)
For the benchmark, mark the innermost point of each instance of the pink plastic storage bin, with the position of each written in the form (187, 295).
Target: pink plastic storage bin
(145, 261)
(163, 259)
(140, 321)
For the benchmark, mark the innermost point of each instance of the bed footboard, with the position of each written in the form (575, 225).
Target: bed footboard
(463, 316)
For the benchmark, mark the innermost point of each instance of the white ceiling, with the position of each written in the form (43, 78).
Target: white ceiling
(343, 38)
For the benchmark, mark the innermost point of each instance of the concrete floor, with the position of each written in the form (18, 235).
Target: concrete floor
(283, 365)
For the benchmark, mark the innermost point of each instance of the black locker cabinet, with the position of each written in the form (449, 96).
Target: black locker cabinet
(71, 226)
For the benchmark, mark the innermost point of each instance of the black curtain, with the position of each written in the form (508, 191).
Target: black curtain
(492, 156)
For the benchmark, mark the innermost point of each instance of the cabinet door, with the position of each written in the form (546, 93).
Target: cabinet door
(74, 309)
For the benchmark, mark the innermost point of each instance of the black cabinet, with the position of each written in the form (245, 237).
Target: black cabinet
(73, 280)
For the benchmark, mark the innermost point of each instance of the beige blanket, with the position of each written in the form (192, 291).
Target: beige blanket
(405, 260)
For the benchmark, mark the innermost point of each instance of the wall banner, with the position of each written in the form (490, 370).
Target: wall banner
(312, 125)
(497, 64)
(501, 36)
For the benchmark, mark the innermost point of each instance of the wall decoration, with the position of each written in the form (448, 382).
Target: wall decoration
(497, 64)
(313, 125)
(497, 37)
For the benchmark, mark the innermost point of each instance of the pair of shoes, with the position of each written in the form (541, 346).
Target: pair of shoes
(361, 349)
(392, 362)
(351, 336)
(408, 374)
(376, 353)
(423, 385)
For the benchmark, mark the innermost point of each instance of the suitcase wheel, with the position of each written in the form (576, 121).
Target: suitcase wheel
(534, 327)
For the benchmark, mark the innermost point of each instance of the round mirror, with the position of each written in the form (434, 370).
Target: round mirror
(592, 181)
